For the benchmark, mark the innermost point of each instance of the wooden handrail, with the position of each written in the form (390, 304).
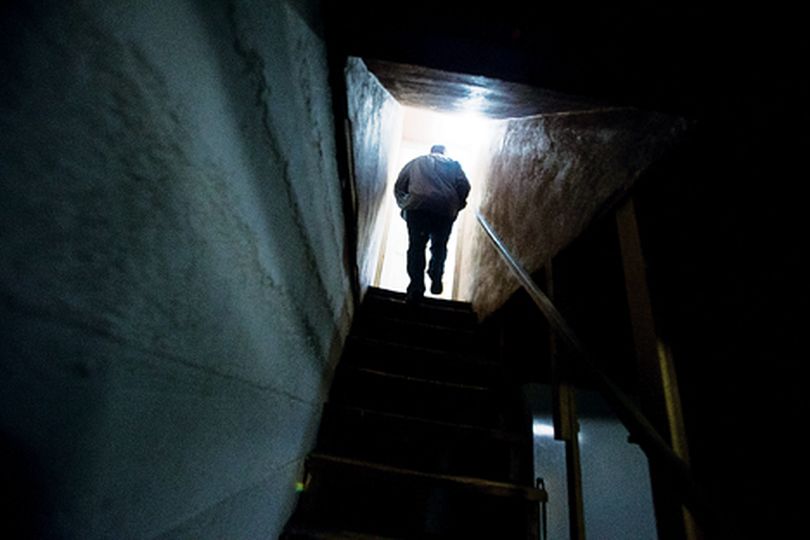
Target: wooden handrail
(537, 295)
(640, 428)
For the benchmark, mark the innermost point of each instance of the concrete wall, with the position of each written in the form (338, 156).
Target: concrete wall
(376, 129)
(172, 287)
(473, 244)
(548, 176)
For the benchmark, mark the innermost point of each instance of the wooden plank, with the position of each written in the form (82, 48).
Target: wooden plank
(501, 489)
(309, 533)
(417, 380)
(469, 430)
(566, 427)
(658, 385)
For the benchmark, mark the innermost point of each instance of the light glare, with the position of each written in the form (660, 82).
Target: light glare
(541, 429)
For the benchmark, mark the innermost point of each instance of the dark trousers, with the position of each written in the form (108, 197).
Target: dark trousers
(424, 226)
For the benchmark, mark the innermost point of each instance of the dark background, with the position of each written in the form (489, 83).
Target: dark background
(721, 217)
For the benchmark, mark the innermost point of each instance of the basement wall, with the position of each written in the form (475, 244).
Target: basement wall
(548, 177)
(173, 293)
(375, 130)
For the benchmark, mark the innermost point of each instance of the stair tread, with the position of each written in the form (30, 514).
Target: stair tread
(460, 357)
(365, 318)
(419, 380)
(407, 359)
(321, 533)
(427, 302)
(395, 330)
(354, 497)
(414, 443)
(420, 436)
(433, 313)
(463, 328)
(494, 433)
(423, 398)
(491, 487)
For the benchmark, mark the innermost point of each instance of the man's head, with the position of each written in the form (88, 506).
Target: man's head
(437, 149)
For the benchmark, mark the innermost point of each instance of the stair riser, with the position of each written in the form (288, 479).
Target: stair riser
(436, 448)
(427, 303)
(390, 507)
(422, 400)
(416, 335)
(421, 364)
(442, 317)
(419, 438)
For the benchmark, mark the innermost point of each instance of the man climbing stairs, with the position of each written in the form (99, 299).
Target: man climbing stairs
(422, 435)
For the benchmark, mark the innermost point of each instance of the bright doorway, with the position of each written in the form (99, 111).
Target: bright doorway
(466, 138)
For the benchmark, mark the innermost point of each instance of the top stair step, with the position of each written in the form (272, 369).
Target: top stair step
(428, 310)
(440, 303)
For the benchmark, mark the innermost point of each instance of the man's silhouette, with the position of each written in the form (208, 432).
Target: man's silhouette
(430, 190)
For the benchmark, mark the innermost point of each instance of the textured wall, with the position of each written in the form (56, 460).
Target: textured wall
(172, 287)
(376, 129)
(547, 178)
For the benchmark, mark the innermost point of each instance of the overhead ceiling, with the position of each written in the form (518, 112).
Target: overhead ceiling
(664, 56)
(435, 89)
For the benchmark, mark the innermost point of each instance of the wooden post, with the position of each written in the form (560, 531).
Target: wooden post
(658, 384)
(566, 427)
(573, 469)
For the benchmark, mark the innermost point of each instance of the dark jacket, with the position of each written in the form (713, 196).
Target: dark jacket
(434, 183)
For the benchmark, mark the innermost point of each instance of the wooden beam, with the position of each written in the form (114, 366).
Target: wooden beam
(490, 487)
(658, 384)
(566, 426)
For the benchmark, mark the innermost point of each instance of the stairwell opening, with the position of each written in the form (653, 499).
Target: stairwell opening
(467, 138)
(550, 164)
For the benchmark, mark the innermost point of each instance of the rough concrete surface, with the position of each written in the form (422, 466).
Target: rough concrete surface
(376, 129)
(172, 286)
(548, 177)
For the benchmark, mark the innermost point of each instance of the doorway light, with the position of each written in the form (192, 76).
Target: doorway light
(466, 137)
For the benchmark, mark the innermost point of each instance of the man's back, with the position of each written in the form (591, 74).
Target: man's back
(433, 183)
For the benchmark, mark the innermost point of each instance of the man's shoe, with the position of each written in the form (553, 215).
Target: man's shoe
(412, 297)
(436, 287)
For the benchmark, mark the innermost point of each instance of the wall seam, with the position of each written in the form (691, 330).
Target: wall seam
(255, 65)
(227, 498)
(44, 314)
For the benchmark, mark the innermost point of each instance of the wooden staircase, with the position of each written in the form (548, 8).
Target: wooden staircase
(422, 435)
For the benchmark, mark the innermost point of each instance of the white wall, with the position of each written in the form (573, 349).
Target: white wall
(172, 285)
(616, 490)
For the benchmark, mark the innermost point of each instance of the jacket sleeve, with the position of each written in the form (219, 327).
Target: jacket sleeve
(462, 186)
(401, 186)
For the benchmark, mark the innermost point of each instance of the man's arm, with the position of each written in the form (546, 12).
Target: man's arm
(401, 186)
(462, 186)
